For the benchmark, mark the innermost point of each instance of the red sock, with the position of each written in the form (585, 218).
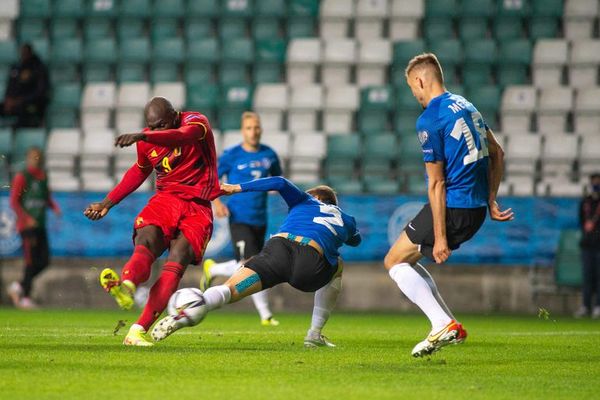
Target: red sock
(160, 293)
(139, 266)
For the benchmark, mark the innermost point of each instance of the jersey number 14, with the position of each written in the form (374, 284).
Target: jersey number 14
(462, 129)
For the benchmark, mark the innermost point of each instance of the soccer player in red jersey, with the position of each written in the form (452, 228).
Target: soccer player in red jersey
(180, 147)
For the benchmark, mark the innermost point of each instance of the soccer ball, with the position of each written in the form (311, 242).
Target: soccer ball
(188, 304)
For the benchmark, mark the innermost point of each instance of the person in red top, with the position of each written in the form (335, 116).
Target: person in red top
(30, 198)
(180, 147)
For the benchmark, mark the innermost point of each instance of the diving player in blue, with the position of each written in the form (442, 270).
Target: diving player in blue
(304, 253)
(247, 212)
(464, 165)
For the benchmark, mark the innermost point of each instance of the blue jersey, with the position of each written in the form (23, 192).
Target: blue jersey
(242, 166)
(326, 224)
(451, 130)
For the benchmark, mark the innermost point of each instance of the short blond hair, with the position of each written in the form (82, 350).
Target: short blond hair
(426, 60)
(249, 114)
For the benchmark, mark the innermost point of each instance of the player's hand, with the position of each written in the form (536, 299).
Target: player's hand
(128, 139)
(498, 215)
(221, 210)
(96, 211)
(441, 251)
(227, 189)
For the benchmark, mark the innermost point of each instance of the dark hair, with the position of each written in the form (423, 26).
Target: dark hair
(324, 193)
(595, 175)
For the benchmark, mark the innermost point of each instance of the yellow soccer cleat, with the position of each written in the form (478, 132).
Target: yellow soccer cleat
(269, 322)
(206, 277)
(137, 337)
(122, 292)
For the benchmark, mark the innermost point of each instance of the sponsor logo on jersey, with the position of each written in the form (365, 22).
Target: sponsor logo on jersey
(154, 154)
(423, 136)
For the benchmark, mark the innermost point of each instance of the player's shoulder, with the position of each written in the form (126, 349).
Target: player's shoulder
(232, 150)
(193, 118)
(267, 149)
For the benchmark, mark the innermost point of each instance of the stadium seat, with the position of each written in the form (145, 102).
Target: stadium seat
(382, 187)
(231, 138)
(30, 28)
(131, 72)
(239, 50)
(239, 96)
(380, 150)
(280, 142)
(549, 58)
(97, 103)
(305, 103)
(265, 28)
(35, 8)
(472, 29)
(345, 148)
(173, 91)
(370, 18)
(96, 150)
(102, 9)
(271, 101)
(589, 158)
(94, 181)
(374, 57)
(553, 106)
(270, 8)
(196, 29)
(559, 153)
(579, 18)
(169, 50)
(97, 72)
(63, 181)
(230, 28)
(442, 8)
(63, 148)
(309, 145)
(513, 9)
(543, 28)
(340, 104)
(136, 8)
(507, 28)
(24, 138)
(68, 8)
(583, 64)
(233, 74)
(301, 27)
(57, 117)
(66, 51)
(66, 95)
(521, 185)
(339, 55)
(303, 56)
(202, 97)
(487, 101)
(437, 29)
(514, 58)
(547, 8)
(518, 104)
(403, 52)
(415, 184)
(6, 141)
(376, 103)
(203, 8)
(335, 16)
(561, 187)
(62, 28)
(133, 95)
(205, 50)
(587, 104)
(169, 8)
(128, 29)
(308, 8)
(97, 28)
(345, 185)
(406, 16)
(448, 51)
(63, 73)
(164, 72)
(103, 50)
(522, 153)
(134, 50)
(197, 73)
(164, 28)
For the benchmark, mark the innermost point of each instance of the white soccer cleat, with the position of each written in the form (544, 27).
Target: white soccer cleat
(15, 291)
(167, 326)
(314, 339)
(453, 333)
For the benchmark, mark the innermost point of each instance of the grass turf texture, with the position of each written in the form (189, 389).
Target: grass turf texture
(74, 354)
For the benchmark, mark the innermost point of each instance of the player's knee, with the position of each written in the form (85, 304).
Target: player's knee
(390, 260)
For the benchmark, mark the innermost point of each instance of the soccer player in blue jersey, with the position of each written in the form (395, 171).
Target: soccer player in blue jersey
(247, 212)
(463, 161)
(304, 253)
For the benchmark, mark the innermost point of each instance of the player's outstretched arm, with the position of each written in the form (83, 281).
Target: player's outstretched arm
(437, 200)
(496, 170)
(290, 192)
(96, 211)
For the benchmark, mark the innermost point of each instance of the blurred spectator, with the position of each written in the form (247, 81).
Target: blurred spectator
(27, 90)
(589, 219)
(30, 198)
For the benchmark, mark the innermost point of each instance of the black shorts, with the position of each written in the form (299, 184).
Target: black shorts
(247, 240)
(301, 266)
(461, 225)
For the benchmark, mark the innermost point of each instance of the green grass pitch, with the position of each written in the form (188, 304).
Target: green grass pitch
(74, 355)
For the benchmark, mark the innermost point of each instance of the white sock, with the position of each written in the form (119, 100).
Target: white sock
(325, 299)
(226, 268)
(418, 291)
(261, 302)
(217, 296)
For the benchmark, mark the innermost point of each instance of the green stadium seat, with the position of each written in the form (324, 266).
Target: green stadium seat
(508, 28)
(511, 74)
(66, 51)
(377, 98)
(301, 27)
(270, 8)
(134, 50)
(41, 46)
(441, 8)
(202, 96)
(198, 73)
(265, 72)
(411, 154)
(68, 8)
(131, 72)
(345, 186)
(382, 147)
(66, 95)
(102, 50)
(404, 51)
(62, 28)
(513, 8)
(345, 148)
(239, 50)
(480, 55)
(6, 141)
(339, 169)
(169, 8)
(62, 117)
(164, 72)
(485, 97)
(479, 8)
(373, 120)
(381, 187)
(63, 73)
(437, 29)
(205, 50)
(415, 184)
(98, 28)
(270, 50)
(472, 29)
(455, 88)
(236, 96)
(449, 52)
(30, 28)
(405, 122)
(203, 8)
(376, 169)
(169, 50)
(101, 9)
(135, 8)
(162, 28)
(26, 138)
(567, 267)
(515, 52)
(8, 52)
(405, 100)
(97, 72)
(233, 74)
(547, 8)
(230, 28)
(265, 28)
(543, 28)
(34, 8)
(237, 8)
(196, 29)
(130, 28)
(303, 8)
(476, 74)
(229, 118)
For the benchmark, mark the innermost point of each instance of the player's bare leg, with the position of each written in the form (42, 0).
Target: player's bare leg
(416, 283)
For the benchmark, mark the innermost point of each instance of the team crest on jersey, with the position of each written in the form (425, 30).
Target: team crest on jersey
(423, 136)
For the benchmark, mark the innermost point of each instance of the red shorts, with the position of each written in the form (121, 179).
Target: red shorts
(172, 214)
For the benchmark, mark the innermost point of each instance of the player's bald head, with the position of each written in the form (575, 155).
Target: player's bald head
(160, 114)
(427, 66)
